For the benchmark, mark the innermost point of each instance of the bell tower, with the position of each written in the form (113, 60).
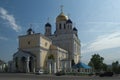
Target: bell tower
(48, 29)
(61, 22)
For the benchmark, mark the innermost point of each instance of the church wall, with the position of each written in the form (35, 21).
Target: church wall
(63, 29)
(70, 43)
(76, 47)
(66, 42)
(44, 45)
(29, 41)
(59, 55)
(43, 58)
(38, 45)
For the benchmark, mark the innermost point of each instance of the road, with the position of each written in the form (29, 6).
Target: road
(21, 76)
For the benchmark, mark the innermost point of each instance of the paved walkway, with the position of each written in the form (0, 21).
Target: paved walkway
(22, 76)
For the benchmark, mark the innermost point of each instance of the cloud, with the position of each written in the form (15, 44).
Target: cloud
(103, 42)
(3, 38)
(10, 19)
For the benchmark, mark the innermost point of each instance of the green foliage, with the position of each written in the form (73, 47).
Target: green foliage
(97, 62)
(116, 67)
(105, 67)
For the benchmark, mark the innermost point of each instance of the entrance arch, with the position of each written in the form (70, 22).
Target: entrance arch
(31, 64)
(23, 62)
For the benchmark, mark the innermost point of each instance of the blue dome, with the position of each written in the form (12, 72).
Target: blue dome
(29, 30)
(48, 25)
(69, 21)
(74, 29)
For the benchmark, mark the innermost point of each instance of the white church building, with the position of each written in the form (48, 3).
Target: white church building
(48, 52)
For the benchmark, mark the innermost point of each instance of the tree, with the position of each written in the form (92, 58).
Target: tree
(105, 67)
(115, 67)
(97, 62)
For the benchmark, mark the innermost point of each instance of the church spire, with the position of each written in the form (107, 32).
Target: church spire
(48, 23)
(30, 31)
(61, 16)
(48, 28)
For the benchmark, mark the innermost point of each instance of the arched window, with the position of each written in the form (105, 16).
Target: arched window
(23, 62)
(28, 42)
(16, 62)
(60, 26)
(64, 26)
(31, 64)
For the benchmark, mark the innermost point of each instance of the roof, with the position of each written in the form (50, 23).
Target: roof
(21, 53)
(61, 17)
(69, 21)
(48, 25)
(74, 29)
(81, 65)
(30, 29)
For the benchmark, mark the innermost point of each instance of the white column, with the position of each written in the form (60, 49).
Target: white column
(27, 65)
(54, 67)
(50, 68)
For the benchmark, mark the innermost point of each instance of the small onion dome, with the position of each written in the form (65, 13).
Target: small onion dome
(47, 25)
(29, 30)
(69, 21)
(74, 29)
(61, 17)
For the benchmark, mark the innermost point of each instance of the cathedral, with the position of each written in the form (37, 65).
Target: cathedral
(49, 52)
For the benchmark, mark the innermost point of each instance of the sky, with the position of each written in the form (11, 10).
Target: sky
(97, 21)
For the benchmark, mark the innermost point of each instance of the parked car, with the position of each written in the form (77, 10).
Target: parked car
(110, 74)
(39, 72)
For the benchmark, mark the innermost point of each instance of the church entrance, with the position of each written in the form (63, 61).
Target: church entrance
(27, 64)
(23, 63)
(31, 64)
